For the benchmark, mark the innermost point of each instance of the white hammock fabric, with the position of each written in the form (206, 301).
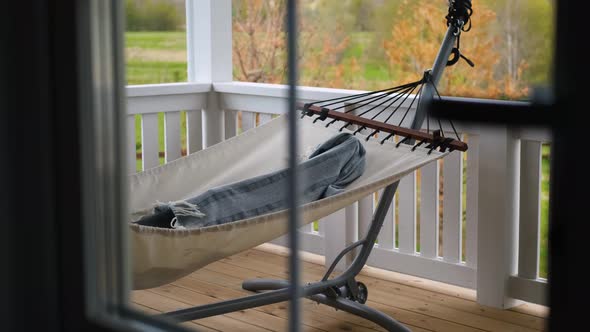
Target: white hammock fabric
(161, 256)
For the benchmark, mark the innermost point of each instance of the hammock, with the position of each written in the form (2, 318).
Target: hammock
(161, 256)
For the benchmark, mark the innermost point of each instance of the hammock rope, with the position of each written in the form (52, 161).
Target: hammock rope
(364, 109)
(378, 102)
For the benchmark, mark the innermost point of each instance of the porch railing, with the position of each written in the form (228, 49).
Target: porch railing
(488, 197)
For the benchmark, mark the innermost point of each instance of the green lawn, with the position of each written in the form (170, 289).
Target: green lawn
(147, 72)
(160, 40)
(160, 57)
(156, 57)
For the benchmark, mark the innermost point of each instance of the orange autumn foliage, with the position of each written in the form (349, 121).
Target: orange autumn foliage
(410, 48)
(321, 60)
(415, 41)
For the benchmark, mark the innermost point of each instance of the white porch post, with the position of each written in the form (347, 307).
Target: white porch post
(209, 43)
(498, 197)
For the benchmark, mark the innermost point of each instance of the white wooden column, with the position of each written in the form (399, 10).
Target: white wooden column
(209, 43)
(498, 210)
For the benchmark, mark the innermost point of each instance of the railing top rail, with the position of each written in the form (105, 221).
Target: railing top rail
(166, 89)
(306, 93)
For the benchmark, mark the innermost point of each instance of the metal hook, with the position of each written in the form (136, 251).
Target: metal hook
(374, 132)
(386, 138)
(359, 130)
(417, 145)
(402, 141)
(346, 125)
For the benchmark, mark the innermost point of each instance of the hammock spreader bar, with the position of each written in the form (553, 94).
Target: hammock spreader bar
(434, 140)
(379, 102)
(364, 109)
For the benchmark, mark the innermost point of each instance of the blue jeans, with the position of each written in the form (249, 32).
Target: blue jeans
(329, 169)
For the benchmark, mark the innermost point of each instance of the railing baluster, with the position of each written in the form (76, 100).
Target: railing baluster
(307, 228)
(131, 148)
(386, 237)
(429, 188)
(452, 189)
(264, 118)
(231, 123)
(530, 209)
(149, 141)
(194, 131)
(471, 201)
(407, 214)
(248, 120)
(172, 135)
(365, 214)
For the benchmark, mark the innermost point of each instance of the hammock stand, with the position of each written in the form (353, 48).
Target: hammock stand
(344, 292)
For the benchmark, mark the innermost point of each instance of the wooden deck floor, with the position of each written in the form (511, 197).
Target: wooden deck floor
(421, 304)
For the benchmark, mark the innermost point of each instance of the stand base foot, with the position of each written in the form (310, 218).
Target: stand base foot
(341, 303)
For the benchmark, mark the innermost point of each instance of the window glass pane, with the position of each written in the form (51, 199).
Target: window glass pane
(155, 48)
(371, 44)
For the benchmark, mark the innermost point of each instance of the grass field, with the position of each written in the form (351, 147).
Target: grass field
(155, 57)
(160, 57)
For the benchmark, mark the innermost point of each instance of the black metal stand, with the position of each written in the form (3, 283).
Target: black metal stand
(342, 292)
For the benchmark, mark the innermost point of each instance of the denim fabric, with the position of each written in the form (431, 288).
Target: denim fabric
(329, 169)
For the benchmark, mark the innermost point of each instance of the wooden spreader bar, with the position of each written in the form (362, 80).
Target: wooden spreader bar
(434, 140)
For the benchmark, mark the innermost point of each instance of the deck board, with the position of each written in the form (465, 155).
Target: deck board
(421, 304)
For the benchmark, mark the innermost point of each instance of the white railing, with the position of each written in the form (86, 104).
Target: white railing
(498, 221)
(146, 101)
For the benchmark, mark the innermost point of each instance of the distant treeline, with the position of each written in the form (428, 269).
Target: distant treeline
(153, 15)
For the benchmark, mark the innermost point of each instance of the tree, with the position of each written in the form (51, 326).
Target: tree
(259, 43)
(260, 50)
(415, 40)
(525, 28)
(372, 44)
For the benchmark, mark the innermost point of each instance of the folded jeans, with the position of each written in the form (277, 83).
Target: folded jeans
(330, 168)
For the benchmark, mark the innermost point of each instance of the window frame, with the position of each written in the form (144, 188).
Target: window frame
(63, 72)
(103, 186)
